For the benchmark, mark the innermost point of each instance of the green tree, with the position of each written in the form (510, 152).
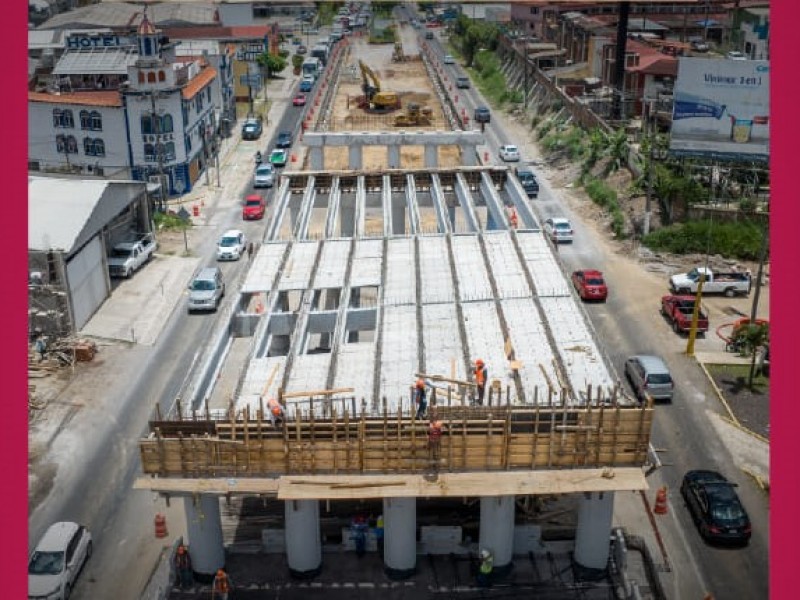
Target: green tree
(273, 63)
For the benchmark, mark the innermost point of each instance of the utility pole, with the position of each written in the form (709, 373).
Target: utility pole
(156, 121)
(754, 310)
(619, 61)
(203, 133)
(649, 195)
(695, 315)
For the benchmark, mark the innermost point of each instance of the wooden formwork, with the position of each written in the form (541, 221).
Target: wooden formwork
(496, 438)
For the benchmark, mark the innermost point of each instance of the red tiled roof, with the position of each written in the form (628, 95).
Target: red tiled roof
(198, 83)
(656, 65)
(105, 98)
(244, 32)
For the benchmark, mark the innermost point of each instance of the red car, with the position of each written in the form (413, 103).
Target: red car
(590, 285)
(254, 207)
(299, 100)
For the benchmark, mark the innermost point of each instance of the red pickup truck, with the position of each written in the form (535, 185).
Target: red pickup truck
(679, 310)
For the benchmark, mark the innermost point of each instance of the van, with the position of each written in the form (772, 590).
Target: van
(462, 82)
(649, 376)
(206, 290)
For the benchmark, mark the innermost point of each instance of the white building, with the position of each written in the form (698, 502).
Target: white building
(129, 108)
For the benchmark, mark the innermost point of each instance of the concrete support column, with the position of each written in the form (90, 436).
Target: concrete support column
(303, 538)
(497, 530)
(431, 156)
(398, 217)
(204, 530)
(347, 215)
(593, 533)
(394, 156)
(451, 214)
(316, 158)
(469, 155)
(400, 537)
(355, 155)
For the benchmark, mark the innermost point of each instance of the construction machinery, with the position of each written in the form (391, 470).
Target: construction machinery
(414, 115)
(375, 99)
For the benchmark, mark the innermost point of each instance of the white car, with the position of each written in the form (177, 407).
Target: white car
(509, 153)
(449, 60)
(231, 245)
(265, 176)
(57, 560)
(735, 55)
(558, 229)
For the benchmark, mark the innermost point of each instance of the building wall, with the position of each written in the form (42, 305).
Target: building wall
(42, 135)
(236, 14)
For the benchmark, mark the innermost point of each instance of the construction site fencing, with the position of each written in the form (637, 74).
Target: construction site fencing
(380, 122)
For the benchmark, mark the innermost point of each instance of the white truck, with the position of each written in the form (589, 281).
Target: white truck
(730, 284)
(127, 257)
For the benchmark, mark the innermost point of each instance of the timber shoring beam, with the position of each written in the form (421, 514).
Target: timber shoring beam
(558, 437)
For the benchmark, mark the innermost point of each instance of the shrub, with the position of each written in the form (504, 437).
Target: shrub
(741, 241)
(170, 221)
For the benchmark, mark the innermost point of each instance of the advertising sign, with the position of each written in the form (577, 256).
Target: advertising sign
(721, 109)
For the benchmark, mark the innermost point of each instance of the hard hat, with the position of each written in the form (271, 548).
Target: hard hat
(485, 553)
(479, 362)
(420, 383)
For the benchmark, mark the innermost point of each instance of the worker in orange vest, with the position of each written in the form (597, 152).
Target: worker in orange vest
(183, 564)
(481, 375)
(275, 412)
(420, 398)
(435, 429)
(512, 216)
(222, 586)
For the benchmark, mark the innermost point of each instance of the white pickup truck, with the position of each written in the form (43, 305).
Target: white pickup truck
(127, 257)
(730, 284)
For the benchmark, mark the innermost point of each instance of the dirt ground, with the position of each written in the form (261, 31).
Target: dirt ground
(409, 80)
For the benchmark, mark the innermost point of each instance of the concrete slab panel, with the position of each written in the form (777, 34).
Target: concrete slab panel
(265, 266)
(473, 280)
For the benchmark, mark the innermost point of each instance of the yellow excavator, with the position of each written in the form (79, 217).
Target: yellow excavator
(375, 99)
(415, 115)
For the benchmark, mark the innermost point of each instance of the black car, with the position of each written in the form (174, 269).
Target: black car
(284, 140)
(482, 115)
(251, 130)
(528, 181)
(715, 507)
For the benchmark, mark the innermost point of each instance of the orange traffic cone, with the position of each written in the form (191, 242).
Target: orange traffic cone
(661, 501)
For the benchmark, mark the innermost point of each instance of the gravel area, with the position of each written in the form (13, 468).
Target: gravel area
(751, 406)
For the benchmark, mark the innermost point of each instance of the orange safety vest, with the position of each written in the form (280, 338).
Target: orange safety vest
(480, 375)
(221, 584)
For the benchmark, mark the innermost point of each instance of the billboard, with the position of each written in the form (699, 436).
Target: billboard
(721, 109)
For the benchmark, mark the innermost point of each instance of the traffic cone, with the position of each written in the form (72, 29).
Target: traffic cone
(661, 501)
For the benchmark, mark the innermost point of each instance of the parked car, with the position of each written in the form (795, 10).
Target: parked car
(462, 82)
(559, 230)
(730, 284)
(306, 85)
(299, 100)
(590, 285)
(265, 176)
(509, 153)
(278, 158)
(648, 375)
(736, 55)
(57, 560)
(449, 60)
(128, 257)
(206, 290)
(231, 245)
(679, 311)
(284, 140)
(698, 44)
(482, 115)
(715, 507)
(254, 207)
(251, 129)
(301, 49)
(528, 181)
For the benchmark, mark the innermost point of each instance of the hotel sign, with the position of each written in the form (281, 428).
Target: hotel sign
(96, 40)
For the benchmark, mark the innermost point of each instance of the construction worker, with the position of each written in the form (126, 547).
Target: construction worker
(435, 429)
(485, 568)
(420, 398)
(275, 412)
(379, 535)
(183, 565)
(222, 586)
(359, 528)
(481, 376)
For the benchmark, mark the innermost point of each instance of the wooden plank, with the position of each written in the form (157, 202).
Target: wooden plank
(312, 393)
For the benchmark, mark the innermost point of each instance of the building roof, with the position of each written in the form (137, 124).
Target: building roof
(656, 65)
(124, 16)
(63, 214)
(243, 32)
(93, 98)
(96, 61)
(198, 83)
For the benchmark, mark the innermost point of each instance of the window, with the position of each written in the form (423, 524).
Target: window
(162, 76)
(187, 142)
(99, 147)
(97, 121)
(151, 77)
(62, 118)
(169, 151)
(141, 77)
(86, 120)
(91, 120)
(146, 124)
(149, 152)
(88, 146)
(185, 111)
(534, 10)
(68, 144)
(208, 93)
(161, 151)
(61, 144)
(166, 124)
